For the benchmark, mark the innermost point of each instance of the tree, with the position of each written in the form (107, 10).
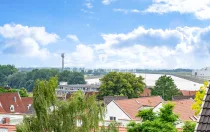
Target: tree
(17, 80)
(164, 121)
(165, 87)
(5, 71)
(23, 92)
(189, 126)
(199, 98)
(71, 77)
(146, 114)
(118, 83)
(80, 113)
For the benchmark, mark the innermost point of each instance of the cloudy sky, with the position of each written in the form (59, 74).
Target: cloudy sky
(153, 34)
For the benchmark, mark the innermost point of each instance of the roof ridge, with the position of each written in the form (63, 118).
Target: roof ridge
(182, 100)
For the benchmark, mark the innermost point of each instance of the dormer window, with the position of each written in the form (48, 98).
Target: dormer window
(28, 106)
(12, 108)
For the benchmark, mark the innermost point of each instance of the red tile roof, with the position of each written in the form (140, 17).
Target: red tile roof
(184, 110)
(188, 93)
(26, 101)
(146, 92)
(10, 128)
(131, 106)
(8, 99)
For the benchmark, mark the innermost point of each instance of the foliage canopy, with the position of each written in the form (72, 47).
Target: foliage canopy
(119, 83)
(165, 87)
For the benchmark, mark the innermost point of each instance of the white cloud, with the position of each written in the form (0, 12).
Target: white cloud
(107, 2)
(81, 57)
(26, 41)
(73, 37)
(86, 11)
(127, 10)
(126, 51)
(199, 8)
(89, 5)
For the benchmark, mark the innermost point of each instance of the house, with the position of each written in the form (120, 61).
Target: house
(64, 88)
(188, 93)
(203, 122)
(183, 108)
(108, 99)
(13, 107)
(13, 103)
(124, 111)
(180, 97)
(7, 128)
(146, 92)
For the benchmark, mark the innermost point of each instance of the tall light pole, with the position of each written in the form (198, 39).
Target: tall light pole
(62, 55)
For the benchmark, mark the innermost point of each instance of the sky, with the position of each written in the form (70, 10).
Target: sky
(151, 34)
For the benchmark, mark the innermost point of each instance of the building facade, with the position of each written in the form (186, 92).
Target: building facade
(64, 88)
(202, 73)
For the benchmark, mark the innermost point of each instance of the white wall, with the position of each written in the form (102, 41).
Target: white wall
(113, 110)
(157, 108)
(150, 80)
(14, 119)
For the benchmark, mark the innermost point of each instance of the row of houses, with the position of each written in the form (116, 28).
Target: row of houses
(124, 110)
(119, 108)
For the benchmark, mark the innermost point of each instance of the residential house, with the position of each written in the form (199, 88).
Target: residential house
(188, 93)
(146, 92)
(108, 99)
(64, 88)
(13, 107)
(203, 124)
(124, 111)
(183, 108)
(7, 128)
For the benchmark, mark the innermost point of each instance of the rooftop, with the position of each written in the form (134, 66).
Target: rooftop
(132, 106)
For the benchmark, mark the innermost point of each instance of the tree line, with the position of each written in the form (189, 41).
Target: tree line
(11, 77)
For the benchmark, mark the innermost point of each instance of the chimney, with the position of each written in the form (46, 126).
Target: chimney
(6, 120)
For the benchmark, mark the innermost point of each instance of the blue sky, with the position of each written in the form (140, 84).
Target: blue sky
(105, 33)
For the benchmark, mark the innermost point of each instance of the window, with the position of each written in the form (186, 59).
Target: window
(12, 108)
(29, 105)
(112, 118)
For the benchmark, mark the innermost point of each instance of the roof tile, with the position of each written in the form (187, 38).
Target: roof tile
(131, 106)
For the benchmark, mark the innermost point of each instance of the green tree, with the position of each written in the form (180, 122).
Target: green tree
(71, 77)
(164, 121)
(61, 116)
(23, 92)
(199, 98)
(5, 71)
(165, 87)
(146, 114)
(118, 83)
(17, 80)
(189, 126)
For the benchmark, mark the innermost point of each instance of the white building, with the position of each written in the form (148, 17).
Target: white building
(202, 73)
(124, 111)
(64, 88)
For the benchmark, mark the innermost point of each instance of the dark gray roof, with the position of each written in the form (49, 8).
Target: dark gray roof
(81, 86)
(108, 99)
(31, 110)
(180, 97)
(203, 124)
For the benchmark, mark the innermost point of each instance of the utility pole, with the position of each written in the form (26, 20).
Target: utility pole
(62, 55)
